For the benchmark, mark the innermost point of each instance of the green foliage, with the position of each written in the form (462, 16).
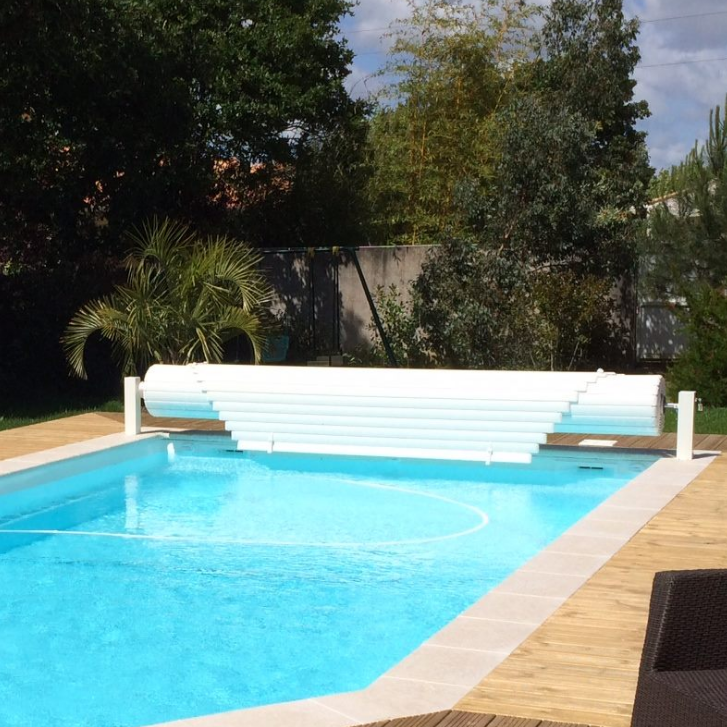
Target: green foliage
(453, 64)
(573, 320)
(688, 224)
(588, 53)
(478, 308)
(115, 110)
(545, 222)
(702, 367)
(572, 174)
(588, 56)
(468, 302)
(184, 298)
(713, 420)
(543, 203)
(402, 330)
(685, 258)
(320, 201)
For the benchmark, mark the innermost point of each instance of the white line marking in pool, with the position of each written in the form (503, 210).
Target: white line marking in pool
(231, 541)
(484, 520)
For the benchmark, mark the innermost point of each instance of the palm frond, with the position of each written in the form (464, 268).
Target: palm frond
(238, 321)
(184, 298)
(100, 316)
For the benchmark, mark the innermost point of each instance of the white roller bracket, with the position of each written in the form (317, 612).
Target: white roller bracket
(685, 425)
(132, 406)
(483, 416)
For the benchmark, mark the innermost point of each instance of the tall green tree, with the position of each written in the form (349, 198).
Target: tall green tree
(112, 110)
(587, 55)
(216, 112)
(567, 181)
(685, 260)
(452, 65)
(687, 241)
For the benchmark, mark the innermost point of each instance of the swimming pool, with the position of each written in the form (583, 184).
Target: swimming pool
(172, 585)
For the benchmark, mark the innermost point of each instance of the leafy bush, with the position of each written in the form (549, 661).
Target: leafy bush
(574, 321)
(473, 308)
(402, 331)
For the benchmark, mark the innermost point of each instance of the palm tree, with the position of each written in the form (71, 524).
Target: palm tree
(184, 297)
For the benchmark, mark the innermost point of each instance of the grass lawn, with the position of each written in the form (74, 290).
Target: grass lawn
(710, 421)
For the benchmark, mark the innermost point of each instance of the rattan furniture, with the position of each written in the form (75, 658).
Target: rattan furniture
(683, 675)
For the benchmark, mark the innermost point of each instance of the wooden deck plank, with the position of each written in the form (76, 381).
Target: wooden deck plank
(465, 719)
(454, 718)
(514, 722)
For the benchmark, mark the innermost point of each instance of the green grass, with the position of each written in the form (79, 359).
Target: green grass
(21, 416)
(712, 420)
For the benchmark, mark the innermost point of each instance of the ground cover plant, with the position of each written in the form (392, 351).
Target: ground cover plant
(713, 420)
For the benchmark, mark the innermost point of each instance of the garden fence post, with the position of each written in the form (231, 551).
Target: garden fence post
(132, 406)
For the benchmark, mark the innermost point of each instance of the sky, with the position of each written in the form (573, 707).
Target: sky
(682, 73)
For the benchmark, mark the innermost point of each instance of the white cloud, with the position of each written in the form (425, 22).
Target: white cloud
(680, 96)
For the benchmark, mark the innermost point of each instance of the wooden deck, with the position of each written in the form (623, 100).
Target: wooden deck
(665, 442)
(56, 433)
(458, 718)
(580, 666)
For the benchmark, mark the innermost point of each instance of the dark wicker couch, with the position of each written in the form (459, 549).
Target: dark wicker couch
(683, 675)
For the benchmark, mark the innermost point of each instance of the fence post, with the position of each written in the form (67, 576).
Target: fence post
(685, 425)
(132, 406)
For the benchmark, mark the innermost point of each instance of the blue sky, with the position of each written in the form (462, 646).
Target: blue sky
(682, 74)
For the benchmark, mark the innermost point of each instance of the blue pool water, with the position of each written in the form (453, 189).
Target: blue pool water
(155, 590)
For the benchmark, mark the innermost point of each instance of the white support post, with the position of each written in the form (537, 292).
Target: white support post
(132, 406)
(685, 425)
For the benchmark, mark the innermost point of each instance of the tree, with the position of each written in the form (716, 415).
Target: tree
(685, 259)
(582, 82)
(114, 110)
(185, 297)
(687, 241)
(473, 307)
(452, 65)
(566, 185)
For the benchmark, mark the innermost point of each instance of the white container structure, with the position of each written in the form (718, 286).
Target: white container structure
(486, 416)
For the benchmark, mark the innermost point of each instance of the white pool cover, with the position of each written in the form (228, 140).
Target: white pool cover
(488, 416)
